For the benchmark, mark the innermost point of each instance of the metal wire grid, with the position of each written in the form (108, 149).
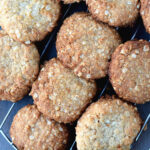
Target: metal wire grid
(102, 92)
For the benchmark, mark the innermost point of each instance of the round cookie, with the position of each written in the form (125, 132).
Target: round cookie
(85, 45)
(19, 67)
(108, 124)
(129, 71)
(59, 94)
(71, 1)
(31, 130)
(145, 13)
(30, 20)
(114, 12)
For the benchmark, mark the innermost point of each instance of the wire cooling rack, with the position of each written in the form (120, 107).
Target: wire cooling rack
(47, 51)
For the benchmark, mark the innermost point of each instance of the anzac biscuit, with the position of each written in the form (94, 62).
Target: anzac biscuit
(129, 71)
(85, 45)
(145, 13)
(109, 124)
(59, 94)
(114, 12)
(30, 20)
(30, 130)
(19, 67)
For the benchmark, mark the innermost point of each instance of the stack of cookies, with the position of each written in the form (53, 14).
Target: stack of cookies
(88, 48)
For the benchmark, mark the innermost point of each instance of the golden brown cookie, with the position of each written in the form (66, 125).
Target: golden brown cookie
(85, 45)
(19, 67)
(109, 124)
(129, 71)
(59, 94)
(114, 12)
(30, 130)
(145, 13)
(30, 20)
